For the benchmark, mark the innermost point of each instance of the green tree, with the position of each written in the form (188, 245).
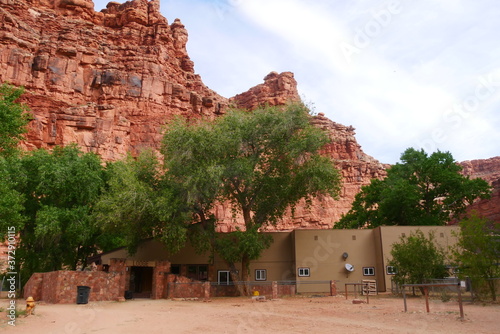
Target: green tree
(421, 190)
(56, 192)
(478, 252)
(261, 162)
(11, 201)
(13, 118)
(417, 259)
(139, 204)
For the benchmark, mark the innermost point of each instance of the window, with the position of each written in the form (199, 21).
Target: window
(368, 271)
(198, 272)
(224, 277)
(391, 270)
(260, 274)
(304, 272)
(175, 269)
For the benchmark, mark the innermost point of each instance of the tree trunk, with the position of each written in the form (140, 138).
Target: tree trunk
(235, 277)
(491, 284)
(245, 265)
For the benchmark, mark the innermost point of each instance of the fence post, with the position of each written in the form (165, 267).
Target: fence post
(275, 290)
(170, 290)
(333, 288)
(206, 286)
(426, 292)
(460, 306)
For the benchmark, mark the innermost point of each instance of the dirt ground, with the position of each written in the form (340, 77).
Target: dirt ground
(383, 314)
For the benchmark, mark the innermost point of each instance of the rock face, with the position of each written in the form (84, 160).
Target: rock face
(489, 170)
(106, 80)
(109, 81)
(277, 89)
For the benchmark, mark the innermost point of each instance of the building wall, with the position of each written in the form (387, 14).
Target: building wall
(389, 235)
(321, 251)
(277, 260)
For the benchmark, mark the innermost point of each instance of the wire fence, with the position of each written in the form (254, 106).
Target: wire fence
(273, 289)
(447, 289)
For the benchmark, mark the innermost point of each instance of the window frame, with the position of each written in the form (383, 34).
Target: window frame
(366, 271)
(304, 272)
(391, 270)
(228, 277)
(200, 272)
(261, 274)
(229, 280)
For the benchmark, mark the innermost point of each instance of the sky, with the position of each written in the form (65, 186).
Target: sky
(422, 74)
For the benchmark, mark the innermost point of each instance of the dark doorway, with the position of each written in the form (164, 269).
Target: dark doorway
(141, 281)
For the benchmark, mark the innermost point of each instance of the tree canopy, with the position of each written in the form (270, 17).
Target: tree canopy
(261, 162)
(477, 253)
(420, 190)
(13, 118)
(138, 204)
(417, 259)
(56, 192)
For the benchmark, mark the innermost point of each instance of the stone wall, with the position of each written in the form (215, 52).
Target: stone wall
(33, 287)
(183, 287)
(160, 273)
(61, 286)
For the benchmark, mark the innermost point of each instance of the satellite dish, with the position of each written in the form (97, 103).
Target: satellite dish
(349, 267)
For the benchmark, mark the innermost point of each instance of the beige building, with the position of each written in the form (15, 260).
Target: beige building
(311, 258)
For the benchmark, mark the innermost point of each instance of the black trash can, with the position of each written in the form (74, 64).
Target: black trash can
(129, 294)
(82, 295)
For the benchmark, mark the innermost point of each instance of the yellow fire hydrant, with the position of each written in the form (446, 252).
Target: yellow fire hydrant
(30, 306)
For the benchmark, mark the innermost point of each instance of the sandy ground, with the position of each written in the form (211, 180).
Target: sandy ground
(383, 314)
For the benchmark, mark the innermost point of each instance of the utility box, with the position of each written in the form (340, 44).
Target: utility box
(82, 294)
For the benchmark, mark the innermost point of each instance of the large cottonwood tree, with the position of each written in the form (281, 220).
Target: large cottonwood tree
(57, 190)
(262, 163)
(420, 190)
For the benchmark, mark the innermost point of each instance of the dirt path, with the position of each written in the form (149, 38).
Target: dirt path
(242, 315)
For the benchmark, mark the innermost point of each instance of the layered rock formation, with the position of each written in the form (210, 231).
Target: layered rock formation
(106, 80)
(110, 80)
(489, 170)
(277, 89)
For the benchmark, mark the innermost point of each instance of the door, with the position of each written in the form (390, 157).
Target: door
(141, 281)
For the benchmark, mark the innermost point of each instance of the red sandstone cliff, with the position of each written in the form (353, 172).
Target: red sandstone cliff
(106, 80)
(110, 80)
(489, 170)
